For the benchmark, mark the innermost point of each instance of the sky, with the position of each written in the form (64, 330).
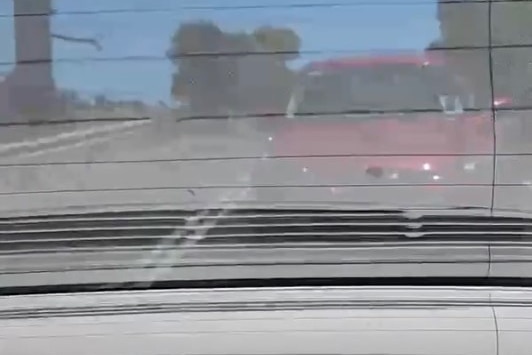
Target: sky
(349, 27)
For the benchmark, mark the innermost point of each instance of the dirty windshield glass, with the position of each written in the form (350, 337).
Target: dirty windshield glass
(184, 139)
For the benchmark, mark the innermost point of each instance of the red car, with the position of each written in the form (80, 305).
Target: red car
(386, 119)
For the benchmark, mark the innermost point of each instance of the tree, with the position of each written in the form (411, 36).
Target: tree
(463, 25)
(219, 72)
(283, 41)
(512, 25)
(194, 49)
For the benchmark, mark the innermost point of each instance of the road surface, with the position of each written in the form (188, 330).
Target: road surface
(149, 163)
(164, 162)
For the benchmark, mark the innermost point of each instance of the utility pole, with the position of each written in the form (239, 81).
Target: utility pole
(33, 84)
(29, 90)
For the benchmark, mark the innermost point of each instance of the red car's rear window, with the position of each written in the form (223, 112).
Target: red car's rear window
(382, 87)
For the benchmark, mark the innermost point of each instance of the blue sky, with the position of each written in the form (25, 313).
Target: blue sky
(361, 26)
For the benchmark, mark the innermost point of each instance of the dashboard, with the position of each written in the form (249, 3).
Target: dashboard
(273, 321)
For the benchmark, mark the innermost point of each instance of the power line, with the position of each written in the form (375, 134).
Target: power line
(267, 115)
(486, 48)
(257, 6)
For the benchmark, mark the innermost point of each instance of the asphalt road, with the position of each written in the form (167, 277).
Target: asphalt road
(164, 158)
(164, 162)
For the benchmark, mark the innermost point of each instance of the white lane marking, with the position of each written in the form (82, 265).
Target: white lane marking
(162, 257)
(37, 177)
(69, 135)
(86, 142)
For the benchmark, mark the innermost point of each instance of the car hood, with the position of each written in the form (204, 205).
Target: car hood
(306, 320)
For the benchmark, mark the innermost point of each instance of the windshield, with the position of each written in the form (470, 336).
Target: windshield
(377, 88)
(200, 135)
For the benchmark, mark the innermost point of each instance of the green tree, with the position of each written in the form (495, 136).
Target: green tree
(512, 25)
(463, 25)
(218, 72)
(194, 50)
(282, 41)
